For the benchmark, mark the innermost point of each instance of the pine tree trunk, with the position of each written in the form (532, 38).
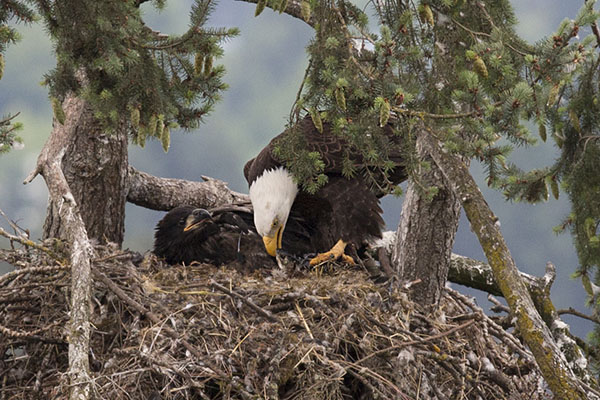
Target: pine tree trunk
(95, 166)
(425, 237)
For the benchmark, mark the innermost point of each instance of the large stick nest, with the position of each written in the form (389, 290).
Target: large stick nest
(202, 332)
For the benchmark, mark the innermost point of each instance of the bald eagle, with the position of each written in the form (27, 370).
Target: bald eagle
(219, 236)
(344, 211)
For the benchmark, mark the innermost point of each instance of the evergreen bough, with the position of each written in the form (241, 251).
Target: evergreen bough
(129, 73)
(8, 35)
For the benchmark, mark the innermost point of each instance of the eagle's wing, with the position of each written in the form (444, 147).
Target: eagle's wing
(356, 212)
(331, 147)
(335, 149)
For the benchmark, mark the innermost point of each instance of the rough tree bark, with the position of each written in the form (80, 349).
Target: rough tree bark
(94, 164)
(66, 209)
(559, 377)
(425, 237)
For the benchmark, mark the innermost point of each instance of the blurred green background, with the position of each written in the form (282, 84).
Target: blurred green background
(265, 65)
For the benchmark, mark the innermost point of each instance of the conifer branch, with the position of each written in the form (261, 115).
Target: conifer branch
(6, 120)
(466, 29)
(194, 30)
(293, 9)
(485, 34)
(46, 7)
(426, 115)
(358, 65)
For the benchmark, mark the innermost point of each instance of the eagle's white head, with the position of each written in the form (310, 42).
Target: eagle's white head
(272, 195)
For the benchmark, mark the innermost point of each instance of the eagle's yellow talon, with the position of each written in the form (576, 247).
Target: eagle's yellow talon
(322, 257)
(335, 253)
(347, 259)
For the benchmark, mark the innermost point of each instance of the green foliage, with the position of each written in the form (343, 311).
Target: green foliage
(564, 78)
(15, 12)
(407, 71)
(128, 72)
(8, 134)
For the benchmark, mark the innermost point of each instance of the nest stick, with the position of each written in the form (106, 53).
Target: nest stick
(29, 243)
(246, 301)
(304, 321)
(34, 270)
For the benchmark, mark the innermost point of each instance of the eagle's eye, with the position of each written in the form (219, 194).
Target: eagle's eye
(275, 223)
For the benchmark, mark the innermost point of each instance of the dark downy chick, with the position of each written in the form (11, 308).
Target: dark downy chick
(221, 236)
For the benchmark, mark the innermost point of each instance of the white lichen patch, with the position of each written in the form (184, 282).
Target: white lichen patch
(487, 365)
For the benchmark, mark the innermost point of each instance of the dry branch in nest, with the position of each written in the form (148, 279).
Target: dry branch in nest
(202, 332)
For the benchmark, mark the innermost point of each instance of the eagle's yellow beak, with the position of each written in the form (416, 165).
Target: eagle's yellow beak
(196, 218)
(189, 227)
(272, 243)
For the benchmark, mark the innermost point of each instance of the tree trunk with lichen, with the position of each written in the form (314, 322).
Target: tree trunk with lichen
(559, 377)
(425, 237)
(94, 164)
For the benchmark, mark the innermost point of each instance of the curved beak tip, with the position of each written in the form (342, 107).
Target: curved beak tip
(270, 245)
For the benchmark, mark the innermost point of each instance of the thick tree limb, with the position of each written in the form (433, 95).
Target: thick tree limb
(165, 193)
(479, 275)
(49, 165)
(94, 165)
(559, 376)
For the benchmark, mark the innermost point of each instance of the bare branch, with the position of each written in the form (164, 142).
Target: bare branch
(166, 193)
(576, 313)
(29, 243)
(479, 275)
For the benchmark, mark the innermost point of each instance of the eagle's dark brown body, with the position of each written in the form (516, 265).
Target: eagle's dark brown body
(344, 208)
